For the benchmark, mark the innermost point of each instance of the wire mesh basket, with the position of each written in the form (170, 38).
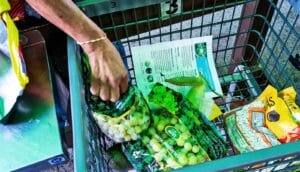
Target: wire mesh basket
(253, 42)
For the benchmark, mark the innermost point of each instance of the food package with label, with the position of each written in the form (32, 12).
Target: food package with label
(246, 128)
(268, 121)
(197, 123)
(169, 142)
(123, 120)
(289, 97)
(281, 113)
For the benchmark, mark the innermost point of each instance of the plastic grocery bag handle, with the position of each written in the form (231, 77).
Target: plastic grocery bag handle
(13, 43)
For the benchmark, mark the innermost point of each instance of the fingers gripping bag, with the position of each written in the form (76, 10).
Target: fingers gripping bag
(13, 78)
(279, 114)
(123, 120)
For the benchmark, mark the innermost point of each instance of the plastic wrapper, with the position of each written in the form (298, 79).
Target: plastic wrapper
(269, 120)
(279, 118)
(246, 128)
(123, 120)
(289, 97)
(12, 66)
(169, 143)
(197, 123)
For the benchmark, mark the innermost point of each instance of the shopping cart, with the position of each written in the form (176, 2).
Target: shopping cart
(253, 41)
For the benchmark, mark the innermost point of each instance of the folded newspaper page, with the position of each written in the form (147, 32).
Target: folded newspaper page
(188, 57)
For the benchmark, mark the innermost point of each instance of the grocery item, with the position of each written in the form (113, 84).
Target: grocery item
(236, 138)
(123, 120)
(246, 128)
(140, 157)
(279, 117)
(169, 143)
(289, 97)
(196, 95)
(196, 122)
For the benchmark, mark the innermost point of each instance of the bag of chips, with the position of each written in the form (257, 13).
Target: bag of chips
(279, 118)
(289, 97)
(246, 128)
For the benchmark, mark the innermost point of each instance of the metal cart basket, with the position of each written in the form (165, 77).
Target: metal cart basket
(253, 43)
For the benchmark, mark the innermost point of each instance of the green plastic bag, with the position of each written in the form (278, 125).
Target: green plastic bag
(123, 120)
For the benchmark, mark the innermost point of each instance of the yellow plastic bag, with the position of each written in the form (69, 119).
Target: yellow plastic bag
(278, 116)
(13, 78)
(289, 97)
(13, 43)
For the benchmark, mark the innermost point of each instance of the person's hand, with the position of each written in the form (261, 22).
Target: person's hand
(109, 75)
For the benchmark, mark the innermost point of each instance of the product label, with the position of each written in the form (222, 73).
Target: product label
(172, 132)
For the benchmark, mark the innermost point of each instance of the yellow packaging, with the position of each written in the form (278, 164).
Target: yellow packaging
(289, 97)
(278, 116)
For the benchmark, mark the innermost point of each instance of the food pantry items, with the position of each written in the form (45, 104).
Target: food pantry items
(196, 122)
(197, 94)
(246, 128)
(166, 145)
(123, 120)
(171, 142)
(179, 135)
(265, 122)
(279, 117)
(289, 97)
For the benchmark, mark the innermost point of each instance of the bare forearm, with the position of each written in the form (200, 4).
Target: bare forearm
(65, 15)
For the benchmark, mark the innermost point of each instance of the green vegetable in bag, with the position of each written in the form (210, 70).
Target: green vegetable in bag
(205, 131)
(123, 120)
(169, 143)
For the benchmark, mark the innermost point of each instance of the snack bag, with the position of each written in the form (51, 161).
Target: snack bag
(289, 97)
(140, 157)
(12, 66)
(278, 116)
(246, 128)
(197, 123)
(123, 120)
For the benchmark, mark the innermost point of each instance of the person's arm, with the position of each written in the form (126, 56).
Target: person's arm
(109, 75)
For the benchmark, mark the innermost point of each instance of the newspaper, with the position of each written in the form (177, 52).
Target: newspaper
(189, 57)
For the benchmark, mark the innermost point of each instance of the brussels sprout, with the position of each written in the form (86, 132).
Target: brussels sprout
(151, 131)
(195, 149)
(155, 145)
(192, 159)
(145, 140)
(182, 159)
(158, 156)
(174, 121)
(188, 146)
(137, 129)
(180, 142)
(160, 126)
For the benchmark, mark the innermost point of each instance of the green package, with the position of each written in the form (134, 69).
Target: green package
(123, 120)
(197, 123)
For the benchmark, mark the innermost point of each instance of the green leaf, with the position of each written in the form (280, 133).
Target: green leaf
(187, 81)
